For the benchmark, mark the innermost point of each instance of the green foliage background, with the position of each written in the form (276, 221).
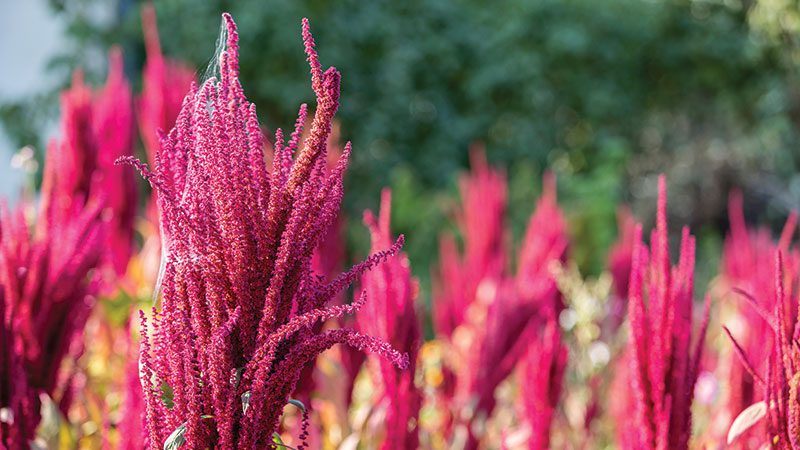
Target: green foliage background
(606, 94)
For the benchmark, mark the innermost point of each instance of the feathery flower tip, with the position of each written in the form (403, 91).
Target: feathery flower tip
(663, 365)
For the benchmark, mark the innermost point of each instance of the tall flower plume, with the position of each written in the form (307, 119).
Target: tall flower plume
(466, 304)
(541, 380)
(81, 238)
(328, 257)
(765, 275)
(240, 300)
(113, 127)
(481, 221)
(18, 424)
(619, 264)
(779, 382)
(96, 129)
(164, 85)
(545, 242)
(49, 267)
(392, 316)
(748, 267)
(491, 317)
(663, 362)
(46, 277)
(544, 362)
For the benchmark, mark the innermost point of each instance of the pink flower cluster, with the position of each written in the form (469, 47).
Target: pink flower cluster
(49, 290)
(50, 270)
(164, 85)
(495, 319)
(18, 407)
(96, 129)
(619, 264)
(766, 360)
(239, 297)
(391, 315)
(663, 363)
(250, 293)
(748, 266)
(481, 220)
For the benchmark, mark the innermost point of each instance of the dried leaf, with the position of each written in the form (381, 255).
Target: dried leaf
(746, 419)
(176, 439)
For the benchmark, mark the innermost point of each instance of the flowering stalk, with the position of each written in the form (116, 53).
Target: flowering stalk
(465, 298)
(330, 253)
(82, 238)
(46, 279)
(663, 364)
(240, 300)
(96, 129)
(783, 419)
(164, 85)
(392, 316)
(545, 243)
(781, 380)
(113, 125)
(327, 261)
(84, 223)
(491, 317)
(481, 221)
(541, 381)
(131, 427)
(748, 266)
(619, 264)
(766, 275)
(18, 411)
(544, 362)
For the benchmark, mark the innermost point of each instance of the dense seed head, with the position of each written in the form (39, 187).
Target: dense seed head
(240, 299)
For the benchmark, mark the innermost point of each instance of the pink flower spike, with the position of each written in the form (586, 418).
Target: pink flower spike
(391, 315)
(663, 365)
(241, 300)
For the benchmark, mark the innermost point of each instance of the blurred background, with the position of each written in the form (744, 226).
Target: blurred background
(604, 94)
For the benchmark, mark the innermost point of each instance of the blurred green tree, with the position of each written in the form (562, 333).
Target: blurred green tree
(606, 94)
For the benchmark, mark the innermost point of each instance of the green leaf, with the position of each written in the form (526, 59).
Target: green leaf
(276, 439)
(117, 308)
(176, 439)
(167, 395)
(245, 401)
